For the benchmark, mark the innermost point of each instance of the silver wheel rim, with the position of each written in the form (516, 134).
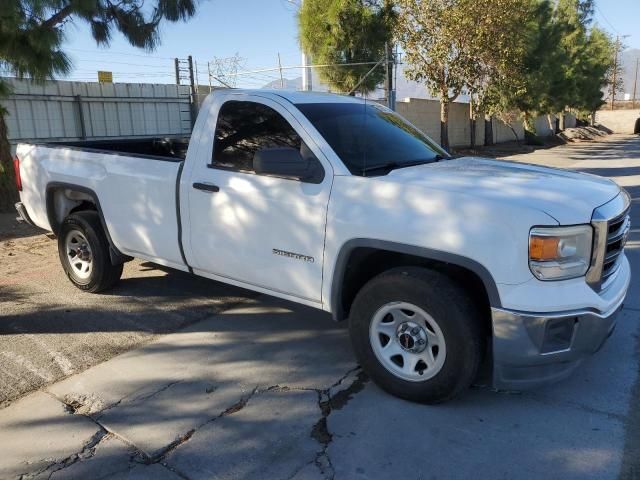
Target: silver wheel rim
(407, 341)
(79, 254)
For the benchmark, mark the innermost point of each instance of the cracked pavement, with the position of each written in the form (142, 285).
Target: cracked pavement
(270, 390)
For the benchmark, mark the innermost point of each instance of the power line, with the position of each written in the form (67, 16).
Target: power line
(114, 62)
(111, 52)
(605, 18)
(88, 69)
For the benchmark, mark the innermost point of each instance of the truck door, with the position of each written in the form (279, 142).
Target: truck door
(261, 230)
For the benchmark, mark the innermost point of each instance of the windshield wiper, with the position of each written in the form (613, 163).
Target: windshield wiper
(395, 165)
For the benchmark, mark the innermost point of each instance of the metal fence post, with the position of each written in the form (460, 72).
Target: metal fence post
(194, 106)
(83, 128)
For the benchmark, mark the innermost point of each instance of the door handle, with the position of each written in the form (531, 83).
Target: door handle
(206, 187)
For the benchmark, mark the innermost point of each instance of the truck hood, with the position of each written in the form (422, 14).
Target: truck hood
(569, 197)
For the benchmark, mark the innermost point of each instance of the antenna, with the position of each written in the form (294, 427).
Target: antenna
(364, 140)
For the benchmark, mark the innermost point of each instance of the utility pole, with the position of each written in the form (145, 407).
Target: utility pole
(615, 72)
(177, 66)
(396, 62)
(635, 83)
(280, 68)
(388, 82)
(306, 73)
(306, 61)
(306, 70)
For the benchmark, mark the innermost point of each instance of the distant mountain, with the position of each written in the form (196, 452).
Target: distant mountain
(296, 84)
(628, 58)
(289, 84)
(404, 89)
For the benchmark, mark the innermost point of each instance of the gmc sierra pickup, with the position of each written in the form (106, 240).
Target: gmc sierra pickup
(438, 264)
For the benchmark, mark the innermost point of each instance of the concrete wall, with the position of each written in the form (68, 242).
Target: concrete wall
(60, 110)
(569, 120)
(425, 114)
(502, 133)
(618, 121)
(545, 125)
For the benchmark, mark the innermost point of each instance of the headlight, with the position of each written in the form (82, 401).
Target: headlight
(558, 253)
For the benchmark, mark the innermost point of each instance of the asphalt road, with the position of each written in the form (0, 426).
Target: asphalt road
(271, 390)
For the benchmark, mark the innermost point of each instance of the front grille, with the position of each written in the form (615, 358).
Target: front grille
(611, 225)
(617, 230)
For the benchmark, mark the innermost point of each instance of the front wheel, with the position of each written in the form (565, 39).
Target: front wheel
(417, 334)
(84, 253)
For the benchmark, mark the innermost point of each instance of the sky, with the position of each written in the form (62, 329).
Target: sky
(256, 30)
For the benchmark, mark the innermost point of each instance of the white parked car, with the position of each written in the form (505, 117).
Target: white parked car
(439, 264)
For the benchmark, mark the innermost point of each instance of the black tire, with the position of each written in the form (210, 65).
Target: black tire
(453, 311)
(103, 273)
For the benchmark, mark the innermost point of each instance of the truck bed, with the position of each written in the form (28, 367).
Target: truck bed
(161, 148)
(133, 182)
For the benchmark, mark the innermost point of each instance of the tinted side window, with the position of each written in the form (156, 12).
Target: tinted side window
(243, 128)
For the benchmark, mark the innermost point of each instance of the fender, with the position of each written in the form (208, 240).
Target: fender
(427, 253)
(116, 256)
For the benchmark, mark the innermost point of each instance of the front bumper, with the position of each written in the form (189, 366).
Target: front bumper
(531, 349)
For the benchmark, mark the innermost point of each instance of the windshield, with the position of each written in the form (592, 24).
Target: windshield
(371, 139)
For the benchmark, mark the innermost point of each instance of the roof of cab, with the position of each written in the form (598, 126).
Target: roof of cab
(304, 97)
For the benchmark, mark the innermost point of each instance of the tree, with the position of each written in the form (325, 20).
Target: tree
(531, 84)
(597, 69)
(572, 18)
(499, 50)
(456, 44)
(32, 36)
(347, 31)
(565, 64)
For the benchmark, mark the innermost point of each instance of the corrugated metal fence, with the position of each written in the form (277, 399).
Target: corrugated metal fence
(61, 110)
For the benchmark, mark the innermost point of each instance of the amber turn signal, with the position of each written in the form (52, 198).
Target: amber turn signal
(543, 248)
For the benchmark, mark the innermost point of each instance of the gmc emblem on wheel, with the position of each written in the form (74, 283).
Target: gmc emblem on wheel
(297, 256)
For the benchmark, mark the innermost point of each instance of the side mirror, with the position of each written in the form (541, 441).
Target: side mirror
(284, 162)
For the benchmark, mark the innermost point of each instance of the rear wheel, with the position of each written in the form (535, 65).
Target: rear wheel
(84, 253)
(417, 334)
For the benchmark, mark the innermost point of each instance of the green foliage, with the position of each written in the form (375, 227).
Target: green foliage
(455, 44)
(597, 64)
(566, 63)
(533, 80)
(346, 31)
(436, 41)
(28, 46)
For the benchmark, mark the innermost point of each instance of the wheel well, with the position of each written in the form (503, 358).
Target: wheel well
(63, 201)
(364, 263)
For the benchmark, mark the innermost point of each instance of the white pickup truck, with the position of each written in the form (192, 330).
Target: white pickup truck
(439, 264)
